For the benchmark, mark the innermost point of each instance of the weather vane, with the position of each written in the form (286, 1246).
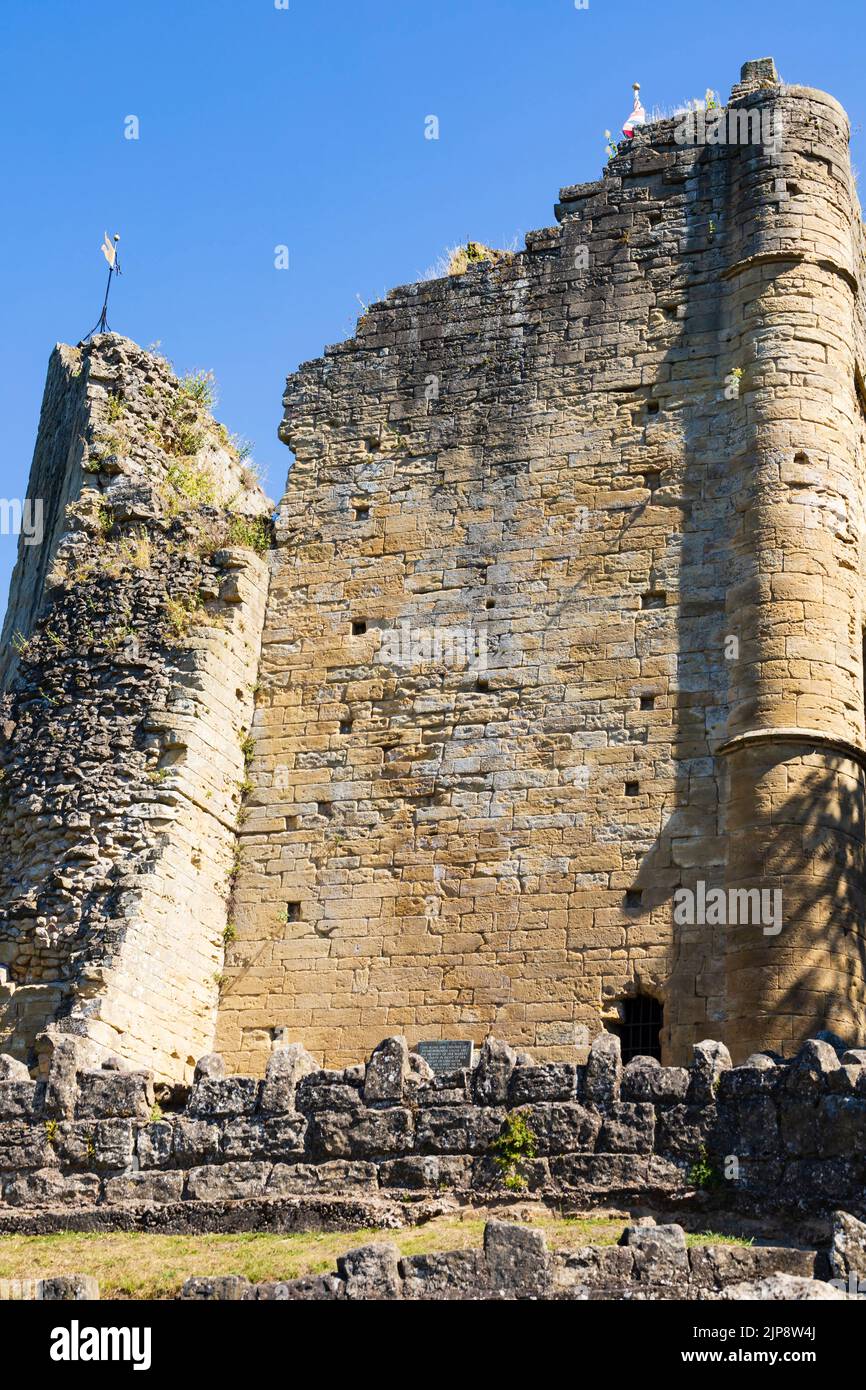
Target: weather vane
(109, 251)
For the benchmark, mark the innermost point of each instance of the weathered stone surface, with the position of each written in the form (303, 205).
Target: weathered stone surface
(717, 1266)
(326, 1091)
(628, 1128)
(194, 1142)
(459, 1274)
(848, 1248)
(783, 1287)
(113, 1095)
(433, 1172)
(278, 1137)
(231, 1288)
(563, 1127)
(231, 1095)
(76, 1288)
(286, 1066)
(644, 1079)
(97, 1144)
(62, 1055)
(24, 1146)
(360, 1134)
(211, 1067)
(145, 1187)
(371, 1272)
(517, 1259)
(387, 1071)
(124, 714)
(154, 1144)
(603, 1070)
(322, 1288)
(48, 1187)
(841, 1128)
(493, 1073)
(458, 1129)
(12, 1070)
(228, 1181)
(709, 1061)
(488, 1175)
(18, 1099)
(337, 1177)
(557, 1081)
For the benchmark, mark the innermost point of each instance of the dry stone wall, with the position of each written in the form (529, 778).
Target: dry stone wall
(515, 1263)
(336, 1149)
(125, 713)
(618, 479)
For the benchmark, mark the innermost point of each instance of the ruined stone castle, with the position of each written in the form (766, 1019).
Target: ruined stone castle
(562, 613)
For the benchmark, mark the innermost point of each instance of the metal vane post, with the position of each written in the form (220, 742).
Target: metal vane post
(109, 251)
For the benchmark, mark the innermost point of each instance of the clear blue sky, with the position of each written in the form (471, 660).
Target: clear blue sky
(305, 127)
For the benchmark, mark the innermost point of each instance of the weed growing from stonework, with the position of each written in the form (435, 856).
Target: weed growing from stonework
(515, 1145)
(116, 408)
(235, 868)
(230, 934)
(135, 550)
(456, 260)
(20, 644)
(189, 484)
(200, 387)
(51, 1132)
(181, 613)
(131, 553)
(473, 253)
(243, 448)
(116, 638)
(104, 520)
(249, 533)
(248, 747)
(156, 1114)
(189, 440)
(702, 1174)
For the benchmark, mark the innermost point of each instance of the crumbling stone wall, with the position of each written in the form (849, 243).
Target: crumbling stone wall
(566, 616)
(515, 1263)
(340, 1148)
(632, 458)
(126, 709)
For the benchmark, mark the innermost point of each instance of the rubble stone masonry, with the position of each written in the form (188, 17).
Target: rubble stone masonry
(312, 1149)
(132, 646)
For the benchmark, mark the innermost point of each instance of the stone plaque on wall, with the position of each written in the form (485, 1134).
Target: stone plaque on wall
(444, 1055)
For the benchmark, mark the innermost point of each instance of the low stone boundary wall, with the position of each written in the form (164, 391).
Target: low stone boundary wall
(769, 1135)
(62, 1288)
(650, 1262)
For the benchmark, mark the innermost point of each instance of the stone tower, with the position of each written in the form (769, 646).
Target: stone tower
(604, 457)
(564, 621)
